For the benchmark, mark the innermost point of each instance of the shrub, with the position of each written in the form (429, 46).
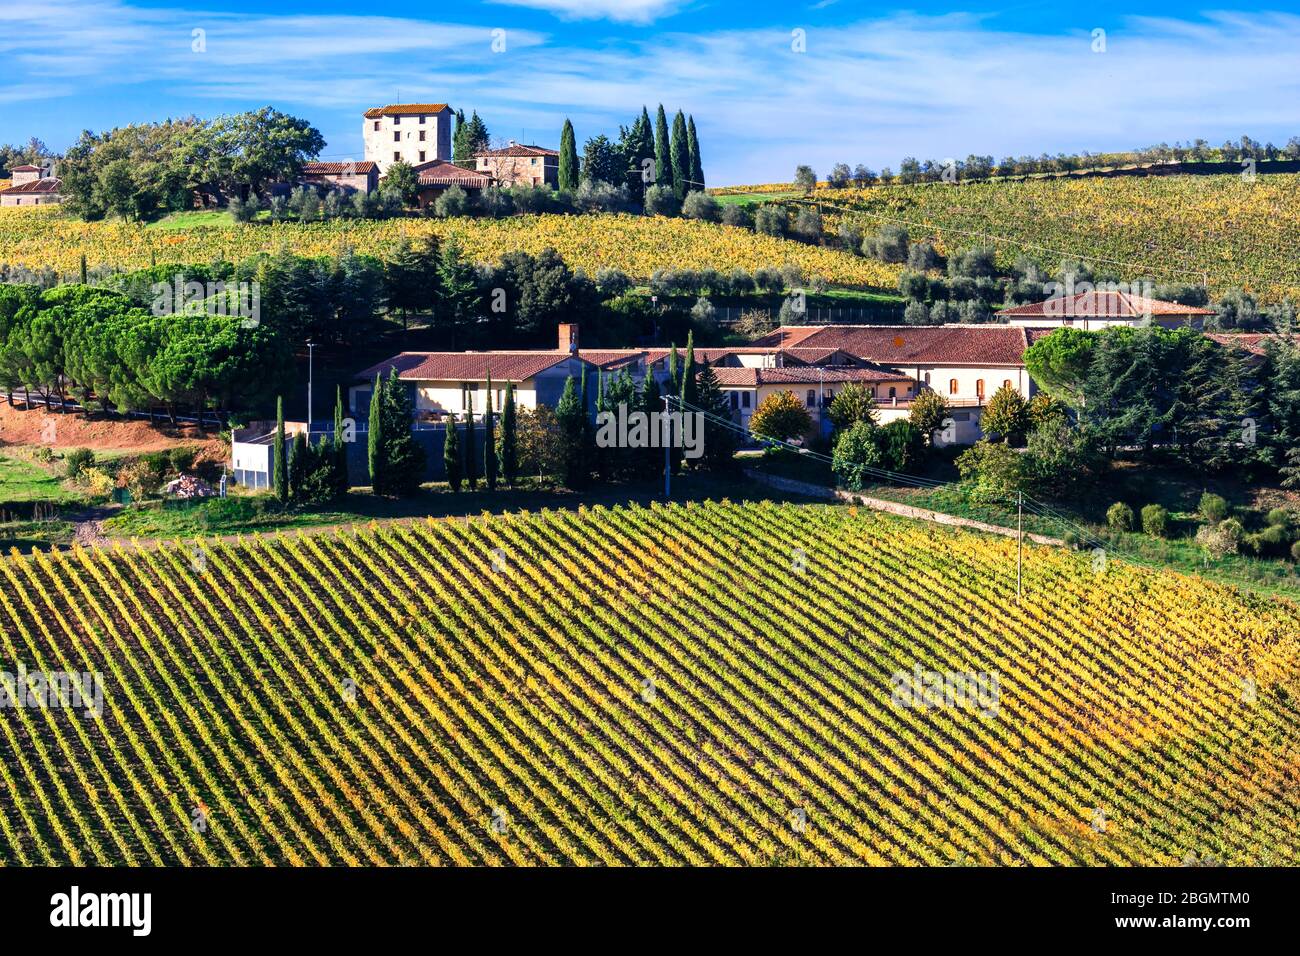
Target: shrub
(612, 283)
(990, 471)
(1072, 540)
(929, 409)
(781, 416)
(44, 454)
(140, 478)
(99, 483)
(857, 450)
(901, 445)
(181, 459)
(771, 220)
(1295, 551)
(890, 244)
(1119, 517)
(244, 210)
(454, 201)
(1279, 518)
(852, 404)
(700, 205)
(660, 201)
(735, 214)
(1007, 416)
(1155, 521)
(1213, 508)
(916, 313)
(1221, 539)
(77, 461)
(808, 224)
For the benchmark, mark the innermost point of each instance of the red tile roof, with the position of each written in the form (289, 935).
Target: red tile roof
(25, 169)
(1103, 305)
(439, 172)
(913, 344)
(517, 149)
(48, 185)
(405, 109)
(337, 169)
(753, 377)
(609, 359)
(466, 366)
(1252, 342)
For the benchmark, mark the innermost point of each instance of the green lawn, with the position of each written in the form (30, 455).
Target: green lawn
(25, 481)
(753, 199)
(245, 514)
(194, 219)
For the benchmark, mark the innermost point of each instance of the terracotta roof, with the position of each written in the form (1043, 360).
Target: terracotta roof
(465, 366)
(25, 169)
(439, 172)
(1252, 342)
(753, 377)
(609, 359)
(915, 344)
(1103, 305)
(405, 109)
(798, 355)
(49, 185)
(518, 149)
(336, 169)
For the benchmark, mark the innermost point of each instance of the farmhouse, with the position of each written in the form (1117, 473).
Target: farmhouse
(349, 177)
(966, 364)
(520, 165)
(412, 133)
(435, 177)
(1094, 309)
(454, 383)
(32, 186)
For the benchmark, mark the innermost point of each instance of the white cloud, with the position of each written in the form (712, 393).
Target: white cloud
(625, 11)
(871, 91)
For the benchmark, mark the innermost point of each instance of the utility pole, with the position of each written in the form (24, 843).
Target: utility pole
(310, 348)
(1020, 540)
(666, 436)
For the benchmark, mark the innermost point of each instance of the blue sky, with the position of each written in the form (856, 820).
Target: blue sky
(873, 82)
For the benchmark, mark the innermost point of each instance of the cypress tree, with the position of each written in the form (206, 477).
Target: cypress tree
(570, 415)
(653, 406)
(663, 160)
(690, 388)
(84, 276)
(680, 158)
(509, 450)
(451, 453)
(375, 438)
(299, 465)
(587, 439)
(674, 382)
(340, 449)
(279, 450)
(402, 459)
(471, 452)
(489, 443)
(720, 442)
(693, 152)
(568, 158)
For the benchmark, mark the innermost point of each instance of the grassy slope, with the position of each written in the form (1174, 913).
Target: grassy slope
(648, 686)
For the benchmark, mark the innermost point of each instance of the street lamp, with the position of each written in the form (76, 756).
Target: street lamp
(310, 367)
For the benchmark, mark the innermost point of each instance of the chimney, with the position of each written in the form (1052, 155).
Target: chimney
(568, 337)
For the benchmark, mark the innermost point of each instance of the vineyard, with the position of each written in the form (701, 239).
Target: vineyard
(638, 245)
(1170, 228)
(699, 684)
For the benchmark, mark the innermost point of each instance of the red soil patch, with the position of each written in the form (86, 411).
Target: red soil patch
(37, 426)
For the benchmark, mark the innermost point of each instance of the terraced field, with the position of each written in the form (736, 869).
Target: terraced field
(1167, 228)
(702, 684)
(638, 245)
